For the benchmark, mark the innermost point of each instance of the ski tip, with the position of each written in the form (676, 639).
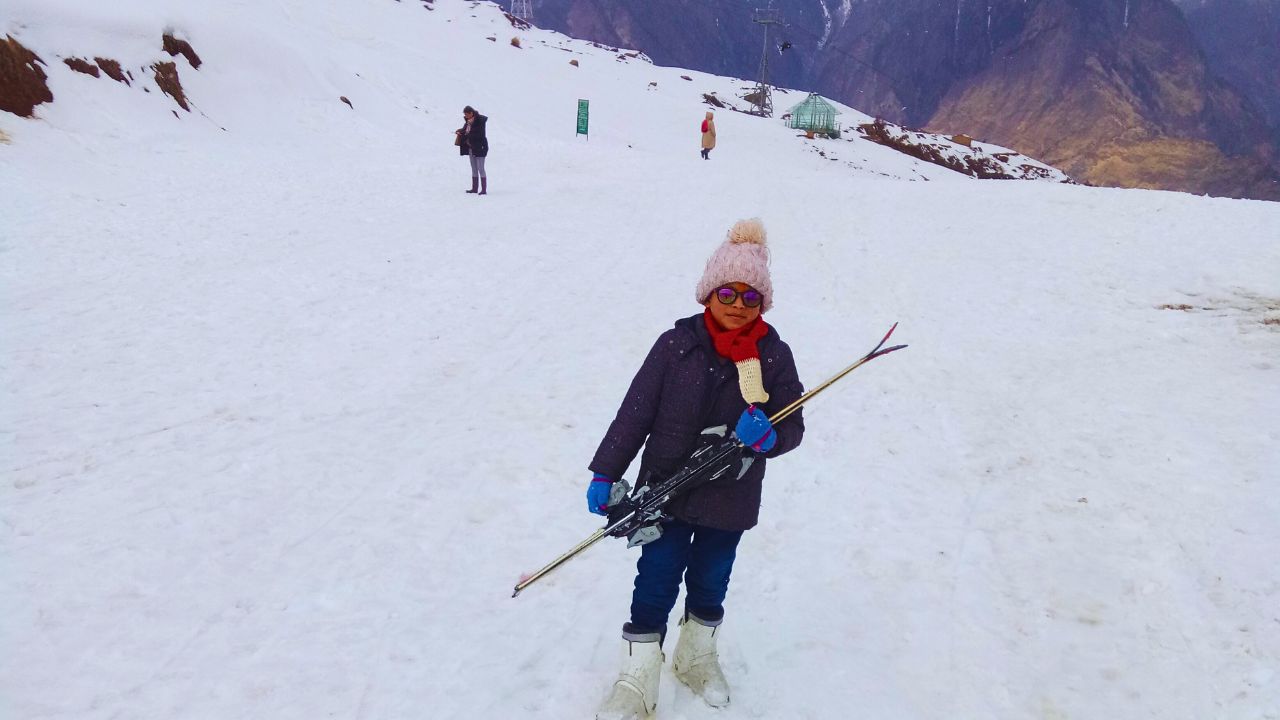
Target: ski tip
(517, 592)
(886, 335)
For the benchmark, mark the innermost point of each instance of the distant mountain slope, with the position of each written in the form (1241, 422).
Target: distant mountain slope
(1116, 92)
(696, 35)
(1241, 41)
(1115, 95)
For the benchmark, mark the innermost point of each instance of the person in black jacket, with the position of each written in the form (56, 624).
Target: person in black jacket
(472, 141)
(723, 366)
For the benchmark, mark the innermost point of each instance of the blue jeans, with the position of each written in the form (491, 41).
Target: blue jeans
(703, 555)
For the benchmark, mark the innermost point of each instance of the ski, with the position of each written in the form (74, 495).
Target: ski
(637, 515)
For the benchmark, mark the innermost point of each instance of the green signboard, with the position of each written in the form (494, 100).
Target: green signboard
(582, 117)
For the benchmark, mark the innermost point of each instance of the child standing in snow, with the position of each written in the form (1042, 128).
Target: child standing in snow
(708, 135)
(473, 141)
(723, 366)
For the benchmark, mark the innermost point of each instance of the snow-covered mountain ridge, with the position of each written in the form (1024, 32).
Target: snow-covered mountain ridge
(285, 413)
(253, 85)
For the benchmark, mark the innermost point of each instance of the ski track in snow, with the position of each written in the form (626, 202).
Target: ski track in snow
(286, 413)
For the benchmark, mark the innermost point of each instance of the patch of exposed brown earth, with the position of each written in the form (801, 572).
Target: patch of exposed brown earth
(4, 139)
(1243, 305)
(82, 66)
(917, 146)
(877, 132)
(176, 47)
(112, 69)
(1091, 132)
(23, 84)
(167, 78)
(1184, 164)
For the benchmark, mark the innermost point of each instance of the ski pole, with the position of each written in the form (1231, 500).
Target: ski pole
(528, 580)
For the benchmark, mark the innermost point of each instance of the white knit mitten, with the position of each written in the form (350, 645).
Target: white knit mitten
(751, 381)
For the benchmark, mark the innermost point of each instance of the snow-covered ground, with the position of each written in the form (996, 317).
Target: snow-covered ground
(285, 413)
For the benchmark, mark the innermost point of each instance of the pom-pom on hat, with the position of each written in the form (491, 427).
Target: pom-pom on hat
(742, 257)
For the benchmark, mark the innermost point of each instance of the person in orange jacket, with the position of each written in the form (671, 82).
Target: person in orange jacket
(708, 135)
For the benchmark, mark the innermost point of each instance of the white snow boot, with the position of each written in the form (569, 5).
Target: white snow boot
(697, 664)
(635, 694)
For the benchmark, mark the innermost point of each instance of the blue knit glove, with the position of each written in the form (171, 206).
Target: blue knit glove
(598, 494)
(755, 431)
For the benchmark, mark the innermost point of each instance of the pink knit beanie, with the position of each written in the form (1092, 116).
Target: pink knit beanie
(742, 257)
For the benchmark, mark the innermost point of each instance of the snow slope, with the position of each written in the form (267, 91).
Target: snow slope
(285, 414)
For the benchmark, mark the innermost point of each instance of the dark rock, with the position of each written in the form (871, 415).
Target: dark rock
(112, 69)
(176, 47)
(166, 76)
(81, 66)
(23, 84)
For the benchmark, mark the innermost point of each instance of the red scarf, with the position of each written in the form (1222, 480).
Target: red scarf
(736, 345)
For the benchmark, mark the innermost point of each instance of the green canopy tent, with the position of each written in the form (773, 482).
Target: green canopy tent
(814, 115)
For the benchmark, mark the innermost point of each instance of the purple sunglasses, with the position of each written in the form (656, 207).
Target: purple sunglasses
(750, 297)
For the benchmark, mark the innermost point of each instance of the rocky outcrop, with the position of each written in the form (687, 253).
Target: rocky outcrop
(166, 76)
(961, 154)
(175, 47)
(23, 83)
(81, 65)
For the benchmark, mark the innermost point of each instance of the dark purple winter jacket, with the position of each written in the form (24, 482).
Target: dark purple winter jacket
(683, 387)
